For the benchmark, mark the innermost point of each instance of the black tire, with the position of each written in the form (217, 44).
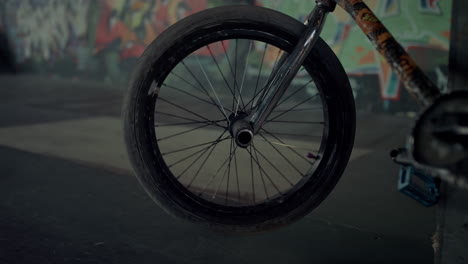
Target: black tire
(217, 24)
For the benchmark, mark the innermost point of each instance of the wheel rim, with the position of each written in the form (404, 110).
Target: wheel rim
(193, 140)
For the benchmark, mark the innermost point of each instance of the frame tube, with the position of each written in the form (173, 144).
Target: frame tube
(414, 79)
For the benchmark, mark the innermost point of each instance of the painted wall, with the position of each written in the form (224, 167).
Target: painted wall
(422, 26)
(89, 39)
(102, 39)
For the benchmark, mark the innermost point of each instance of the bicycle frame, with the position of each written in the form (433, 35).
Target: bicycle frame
(414, 79)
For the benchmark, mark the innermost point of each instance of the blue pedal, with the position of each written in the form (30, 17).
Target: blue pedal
(418, 185)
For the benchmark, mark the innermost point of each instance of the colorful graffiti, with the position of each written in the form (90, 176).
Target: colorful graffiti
(102, 39)
(428, 28)
(133, 24)
(90, 36)
(430, 6)
(44, 29)
(126, 27)
(390, 8)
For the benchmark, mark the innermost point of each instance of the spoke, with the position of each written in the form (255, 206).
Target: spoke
(214, 123)
(264, 172)
(214, 176)
(297, 135)
(212, 88)
(235, 74)
(298, 110)
(251, 101)
(263, 91)
(282, 155)
(252, 176)
(260, 70)
(292, 94)
(237, 177)
(283, 145)
(294, 107)
(220, 71)
(190, 155)
(229, 172)
(290, 148)
(273, 165)
(225, 172)
(203, 152)
(187, 123)
(191, 147)
(182, 133)
(194, 96)
(243, 78)
(199, 83)
(180, 117)
(219, 185)
(230, 67)
(190, 83)
(257, 160)
(185, 109)
(260, 170)
(206, 159)
(297, 122)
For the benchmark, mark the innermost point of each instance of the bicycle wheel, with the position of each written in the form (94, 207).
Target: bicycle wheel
(194, 81)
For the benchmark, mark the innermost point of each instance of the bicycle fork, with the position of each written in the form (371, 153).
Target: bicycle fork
(243, 128)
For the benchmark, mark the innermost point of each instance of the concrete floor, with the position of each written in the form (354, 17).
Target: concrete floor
(67, 194)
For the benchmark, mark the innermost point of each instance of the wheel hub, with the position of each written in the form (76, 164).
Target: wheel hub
(240, 129)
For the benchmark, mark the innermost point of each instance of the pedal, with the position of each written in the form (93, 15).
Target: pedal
(418, 185)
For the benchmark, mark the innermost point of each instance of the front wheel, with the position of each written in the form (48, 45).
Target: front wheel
(187, 90)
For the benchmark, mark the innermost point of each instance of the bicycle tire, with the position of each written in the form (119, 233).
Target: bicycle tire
(163, 54)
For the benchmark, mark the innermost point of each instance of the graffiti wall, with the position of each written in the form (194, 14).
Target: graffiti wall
(89, 39)
(102, 39)
(422, 26)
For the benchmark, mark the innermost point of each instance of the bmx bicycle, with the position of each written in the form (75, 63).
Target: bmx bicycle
(243, 118)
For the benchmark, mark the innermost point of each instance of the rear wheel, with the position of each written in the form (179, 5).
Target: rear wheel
(190, 87)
